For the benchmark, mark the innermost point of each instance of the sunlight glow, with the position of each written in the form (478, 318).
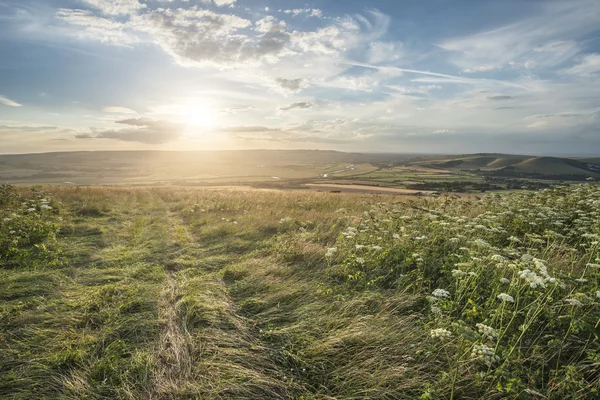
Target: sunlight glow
(200, 115)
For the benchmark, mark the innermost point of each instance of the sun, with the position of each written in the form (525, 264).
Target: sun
(200, 115)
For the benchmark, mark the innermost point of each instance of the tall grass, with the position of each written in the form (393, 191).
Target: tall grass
(184, 294)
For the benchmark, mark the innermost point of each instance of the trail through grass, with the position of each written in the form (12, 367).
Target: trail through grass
(192, 294)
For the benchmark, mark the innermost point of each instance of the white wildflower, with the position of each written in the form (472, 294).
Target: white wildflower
(504, 280)
(506, 297)
(331, 251)
(486, 330)
(485, 354)
(377, 248)
(440, 333)
(575, 303)
(442, 293)
(514, 239)
(457, 273)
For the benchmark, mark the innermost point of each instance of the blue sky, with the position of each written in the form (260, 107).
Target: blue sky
(442, 76)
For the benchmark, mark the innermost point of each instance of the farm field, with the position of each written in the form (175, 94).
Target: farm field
(299, 169)
(185, 293)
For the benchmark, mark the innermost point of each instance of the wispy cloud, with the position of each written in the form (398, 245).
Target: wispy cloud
(8, 102)
(297, 106)
(118, 110)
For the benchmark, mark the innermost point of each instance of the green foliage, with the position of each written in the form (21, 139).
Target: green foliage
(28, 228)
(513, 285)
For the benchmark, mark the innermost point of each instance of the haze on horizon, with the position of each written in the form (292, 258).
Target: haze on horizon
(431, 76)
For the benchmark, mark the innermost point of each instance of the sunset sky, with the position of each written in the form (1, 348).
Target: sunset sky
(442, 76)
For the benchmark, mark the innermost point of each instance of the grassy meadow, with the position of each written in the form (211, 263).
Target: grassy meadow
(184, 293)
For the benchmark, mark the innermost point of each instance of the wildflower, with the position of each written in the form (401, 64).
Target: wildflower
(514, 239)
(590, 265)
(377, 248)
(498, 258)
(506, 297)
(441, 293)
(45, 207)
(575, 303)
(598, 294)
(284, 220)
(454, 240)
(359, 246)
(440, 333)
(396, 236)
(484, 353)
(487, 331)
(581, 280)
(331, 251)
(504, 280)
(360, 260)
(31, 209)
(457, 273)
(424, 237)
(532, 278)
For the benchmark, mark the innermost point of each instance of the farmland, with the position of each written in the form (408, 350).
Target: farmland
(299, 169)
(183, 293)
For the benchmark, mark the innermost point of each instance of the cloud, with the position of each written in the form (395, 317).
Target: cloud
(237, 109)
(297, 106)
(28, 128)
(345, 34)
(8, 102)
(499, 98)
(588, 66)
(142, 130)
(196, 37)
(443, 131)
(481, 68)
(560, 115)
(119, 110)
(115, 7)
(93, 27)
(246, 129)
(221, 3)
(547, 38)
(291, 85)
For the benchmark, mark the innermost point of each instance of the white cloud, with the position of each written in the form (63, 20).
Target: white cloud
(290, 85)
(119, 110)
(222, 3)
(588, 66)
(142, 130)
(196, 37)
(8, 102)
(545, 39)
(93, 27)
(297, 106)
(115, 7)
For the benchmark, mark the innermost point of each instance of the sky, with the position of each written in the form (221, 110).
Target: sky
(406, 76)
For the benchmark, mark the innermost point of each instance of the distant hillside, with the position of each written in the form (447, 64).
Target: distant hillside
(144, 167)
(516, 165)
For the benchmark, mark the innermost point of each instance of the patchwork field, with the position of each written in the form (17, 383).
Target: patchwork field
(297, 169)
(165, 293)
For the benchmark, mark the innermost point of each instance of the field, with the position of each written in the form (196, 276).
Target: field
(187, 293)
(298, 170)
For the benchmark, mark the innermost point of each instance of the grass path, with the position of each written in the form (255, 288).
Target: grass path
(157, 302)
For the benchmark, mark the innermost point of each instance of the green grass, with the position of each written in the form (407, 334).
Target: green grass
(118, 293)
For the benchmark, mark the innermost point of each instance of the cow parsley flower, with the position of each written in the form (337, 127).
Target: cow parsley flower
(331, 251)
(506, 297)
(504, 280)
(484, 353)
(486, 330)
(441, 293)
(575, 303)
(440, 333)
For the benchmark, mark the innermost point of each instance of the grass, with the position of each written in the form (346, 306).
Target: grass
(118, 293)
